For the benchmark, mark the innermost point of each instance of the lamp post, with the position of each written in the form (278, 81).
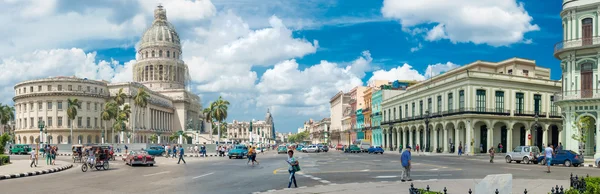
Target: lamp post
(102, 136)
(41, 125)
(349, 138)
(427, 130)
(535, 125)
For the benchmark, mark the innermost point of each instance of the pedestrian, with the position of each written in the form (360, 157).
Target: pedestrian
(499, 147)
(560, 147)
(405, 159)
(549, 155)
(126, 148)
(460, 149)
(48, 155)
(54, 152)
(481, 150)
(181, 155)
(203, 149)
(196, 150)
(491, 151)
(174, 151)
(417, 148)
(33, 158)
(294, 166)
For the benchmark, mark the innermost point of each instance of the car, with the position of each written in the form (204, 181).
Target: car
(240, 151)
(282, 149)
(311, 148)
(323, 148)
(20, 149)
(259, 149)
(339, 147)
(354, 149)
(139, 157)
(376, 150)
(525, 154)
(364, 146)
(597, 162)
(299, 148)
(566, 157)
(156, 150)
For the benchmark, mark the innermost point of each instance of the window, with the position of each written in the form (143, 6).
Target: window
(79, 88)
(499, 101)
(49, 123)
(537, 102)
(95, 89)
(525, 72)
(39, 119)
(510, 72)
(31, 89)
(88, 123)
(70, 87)
(406, 110)
(553, 108)
(400, 111)
(39, 88)
(450, 105)
(429, 105)
(420, 107)
(480, 100)
(30, 106)
(95, 106)
(79, 121)
(49, 87)
(30, 122)
(59, 122)
(95, 121)
(89, 105)
(168, 54)
(59, 105)
(59, 87)
(394, 113)
(101, 90)
(49, 105)
(520, 103)
(89, 89)
(383, 116)
(152, 53)
(461, 100)
(160, 53)
(439, 104)
(413, 110)
(39, 105)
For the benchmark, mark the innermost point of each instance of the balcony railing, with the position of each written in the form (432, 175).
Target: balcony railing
(488, 111)
(565, 44)
(577, 94)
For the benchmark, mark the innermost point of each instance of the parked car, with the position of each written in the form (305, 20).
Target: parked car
(282, 149)
(240, 151)
(597, 162)
(311, 148)
(139, 157)
(299, 148)
(20, 149)
(525, 154)
(156, 150)
(376, 150)
(364, 146)
(339, 147)
(354, 149)
(323, 148)
(566, 157)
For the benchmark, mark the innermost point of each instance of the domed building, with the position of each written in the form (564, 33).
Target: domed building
(159, 70)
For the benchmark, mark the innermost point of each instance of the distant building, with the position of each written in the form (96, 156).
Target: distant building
(261, 132)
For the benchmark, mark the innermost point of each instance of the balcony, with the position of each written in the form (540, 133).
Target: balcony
(575, 43)
(577, 94)
(530, 113)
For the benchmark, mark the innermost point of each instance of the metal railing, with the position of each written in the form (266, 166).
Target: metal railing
(485, 111)
(573, 43)
(577, 94)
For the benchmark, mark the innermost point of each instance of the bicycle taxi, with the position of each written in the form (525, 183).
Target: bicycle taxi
(77, 152)
(101, 158)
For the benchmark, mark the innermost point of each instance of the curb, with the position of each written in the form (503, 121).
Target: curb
(195, 156)
(48, 171)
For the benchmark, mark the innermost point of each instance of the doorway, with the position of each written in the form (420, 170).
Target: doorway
(555, 135)
(538, 137)
(483, 133)
(503, 134)
(587, 80)
(522, 137)
(586, 30)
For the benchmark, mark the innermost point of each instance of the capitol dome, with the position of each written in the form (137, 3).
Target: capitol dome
(161, 33)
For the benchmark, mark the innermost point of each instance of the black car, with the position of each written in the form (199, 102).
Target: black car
(323, 148)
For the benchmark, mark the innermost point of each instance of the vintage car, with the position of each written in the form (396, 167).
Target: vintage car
(354, 149)
(339, 147)
(282, 149)
(299, 147)
(20, 149)
(566, 157)
(240, 151)
(376, 150)
(139, 157)
(156, 150)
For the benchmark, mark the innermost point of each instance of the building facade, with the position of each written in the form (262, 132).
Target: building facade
(579, 53)
(338, 104)
(366, 113)
(260, 133)
(159, 70)
(377, 135)
(478, 106)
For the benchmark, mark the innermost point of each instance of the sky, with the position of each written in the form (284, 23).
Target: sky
(286, 56)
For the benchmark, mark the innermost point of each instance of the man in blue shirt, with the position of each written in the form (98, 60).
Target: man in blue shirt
(405, 160)
(181, 154)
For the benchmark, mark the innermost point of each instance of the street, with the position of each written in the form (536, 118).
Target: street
(222, 175)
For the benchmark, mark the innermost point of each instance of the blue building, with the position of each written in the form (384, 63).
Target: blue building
(360, 124)
(376, 135)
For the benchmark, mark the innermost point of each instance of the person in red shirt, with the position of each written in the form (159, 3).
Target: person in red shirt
(417, 148)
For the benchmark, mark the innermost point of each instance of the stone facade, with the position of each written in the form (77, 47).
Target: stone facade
(338, 104)
(377, 135)
(478, 106)
(579, 53)
(262, 131)
(159, 70)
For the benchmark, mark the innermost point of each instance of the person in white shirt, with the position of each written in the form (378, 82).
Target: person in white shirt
(549, 151)
(196, 149)
(32, 157)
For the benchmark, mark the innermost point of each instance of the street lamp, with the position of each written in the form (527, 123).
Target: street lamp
(102, 136)
(41, 125)
(535, 125)
(427, 130)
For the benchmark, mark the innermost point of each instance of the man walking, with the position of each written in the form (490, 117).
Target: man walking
(32, 157)
(491, 151)
(549, 151)
(405, 160)
(181, 154)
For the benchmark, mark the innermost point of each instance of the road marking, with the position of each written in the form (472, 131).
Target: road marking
(432, 175)
(324, 181)
(203, 175)
(517, 168)
(275, 171)
(158, 173)
(376, 160)
(316, 178)
(435, 169)
(385, 177)
(365, 170)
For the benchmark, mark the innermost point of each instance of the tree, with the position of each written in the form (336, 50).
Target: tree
(120, 97)
(582, 127)
(72, 106)
(140, 100)
(121, 117)
(175, 135)
(154, 138)
(3, 139)
(108, 113)
(7, 114)
(219, 110)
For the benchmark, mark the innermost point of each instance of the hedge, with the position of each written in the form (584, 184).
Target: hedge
(4, 159)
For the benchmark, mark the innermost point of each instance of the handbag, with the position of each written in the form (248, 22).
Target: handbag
(296, 168)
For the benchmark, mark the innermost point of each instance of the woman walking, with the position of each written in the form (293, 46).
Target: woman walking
(293, 168)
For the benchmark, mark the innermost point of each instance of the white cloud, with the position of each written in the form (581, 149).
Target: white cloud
(492, 22)
(439, 68)
(361, 65)
(404, 72)
(417, 48)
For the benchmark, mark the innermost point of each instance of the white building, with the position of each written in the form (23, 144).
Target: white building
(338, 103)
(159, 70)
(262, 131)
(579, 53)
(481, 104)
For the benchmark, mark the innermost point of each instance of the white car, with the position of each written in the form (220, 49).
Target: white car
(311, 148)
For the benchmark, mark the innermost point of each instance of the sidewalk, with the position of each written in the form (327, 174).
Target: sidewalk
(397, 187)
(20, 168)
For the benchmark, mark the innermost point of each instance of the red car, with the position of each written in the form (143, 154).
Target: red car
(139, 157)
(339, 147)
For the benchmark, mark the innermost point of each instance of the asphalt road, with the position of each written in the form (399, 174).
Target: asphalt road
(222, 175)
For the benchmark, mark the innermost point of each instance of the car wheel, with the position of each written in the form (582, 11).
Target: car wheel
(576, 165)
(229, 157)
(508, 159)
(544, 161)
(526, 160)
(567, 163)
(151, 164)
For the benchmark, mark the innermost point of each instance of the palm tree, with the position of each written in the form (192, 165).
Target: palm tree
(120, 97)
(175, 135)
(219, 110)
(72, 106)
(109, 112)
(140, 101)
(7, 114)
(154, 138)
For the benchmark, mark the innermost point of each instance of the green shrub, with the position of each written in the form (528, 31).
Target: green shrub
(592, 185)
(4, 159)
(423, 191)
(3, 139)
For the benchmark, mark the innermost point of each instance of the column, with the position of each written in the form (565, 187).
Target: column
(469, 139)
(435, 139)
(385, 141)
(508, 147)
(410, 139)
(399, 139)
(597, 137)
(545, 136)
(394, 138)
(418, 137)
(424, 146)
(527, 140)
(445, 140)
(490, 140)
(456, 138)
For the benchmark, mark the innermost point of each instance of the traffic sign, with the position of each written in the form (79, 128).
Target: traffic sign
(529, 136)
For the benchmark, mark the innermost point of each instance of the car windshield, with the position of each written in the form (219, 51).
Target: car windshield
(280, 147)
(138, 152)
(535, 149)
(572, 152)
(240, 147)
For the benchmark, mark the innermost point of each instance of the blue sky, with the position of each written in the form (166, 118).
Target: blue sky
(290, 56)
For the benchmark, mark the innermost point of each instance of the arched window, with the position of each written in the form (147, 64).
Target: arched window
(146, 55)
(89, 139)
(160, 53)
(98, 139)
(59, 139)
(152, 53)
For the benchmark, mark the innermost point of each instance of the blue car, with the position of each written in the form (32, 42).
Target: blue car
(155, 150)
(375, 150)
(299, 148)
(566, 157)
